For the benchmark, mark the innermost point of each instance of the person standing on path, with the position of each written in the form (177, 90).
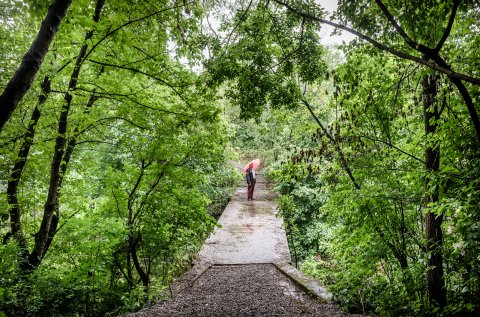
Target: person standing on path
(250, 176)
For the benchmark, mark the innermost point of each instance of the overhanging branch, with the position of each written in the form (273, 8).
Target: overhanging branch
(383, 47)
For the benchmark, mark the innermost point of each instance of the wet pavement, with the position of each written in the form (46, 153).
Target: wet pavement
(243, 269)
(249, 232)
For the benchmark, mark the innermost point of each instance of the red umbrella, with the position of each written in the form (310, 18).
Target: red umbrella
(253, 164)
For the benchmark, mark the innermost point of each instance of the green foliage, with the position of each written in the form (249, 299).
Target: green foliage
(149, 160)
(149, 171)
(271, 53)
(367, 244)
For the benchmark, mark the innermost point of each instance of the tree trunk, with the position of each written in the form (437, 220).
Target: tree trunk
(51, 215)
(433, 226)
(133, 251)
(17, 170)
(14, 179)
(129, 271)
(25, 74)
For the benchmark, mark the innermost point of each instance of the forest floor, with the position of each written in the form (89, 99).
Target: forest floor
(243, 269)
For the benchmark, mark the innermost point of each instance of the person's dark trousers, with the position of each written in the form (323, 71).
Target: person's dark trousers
(251, 187)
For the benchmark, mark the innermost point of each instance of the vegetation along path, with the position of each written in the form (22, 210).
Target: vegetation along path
(243, 269)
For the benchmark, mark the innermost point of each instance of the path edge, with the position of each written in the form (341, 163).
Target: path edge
(188, 278)
(307, 283)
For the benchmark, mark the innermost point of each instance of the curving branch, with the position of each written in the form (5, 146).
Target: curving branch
(446, 33)
(343, 160)
(237, 24)
(397, 27)
(472, 111)
(390, 144)
(122, 119)
(449, 72)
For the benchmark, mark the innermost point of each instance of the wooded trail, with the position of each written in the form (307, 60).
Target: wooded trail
(243, 269)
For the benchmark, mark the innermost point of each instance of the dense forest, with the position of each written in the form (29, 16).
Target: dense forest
(118, 119)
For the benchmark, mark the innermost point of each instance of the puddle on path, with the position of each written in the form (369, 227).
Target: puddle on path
(252, 209)
(239, 230)
(236, 230)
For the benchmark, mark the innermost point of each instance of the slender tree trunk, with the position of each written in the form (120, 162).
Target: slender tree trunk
(133, 251)
(132, 240)
(62, 156)
(25, 74)
(433, 226)
(129, 271)
(17, 170)
(51, 215)
(69, 148)
(14, 179)
(51, 203)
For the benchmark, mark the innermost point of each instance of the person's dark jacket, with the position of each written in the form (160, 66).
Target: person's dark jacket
(249, 177)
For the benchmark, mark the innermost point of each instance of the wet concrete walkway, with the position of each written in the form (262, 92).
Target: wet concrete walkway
(250, 232)
(244, 269)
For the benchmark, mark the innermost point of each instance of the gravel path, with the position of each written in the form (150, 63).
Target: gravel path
(242, 290)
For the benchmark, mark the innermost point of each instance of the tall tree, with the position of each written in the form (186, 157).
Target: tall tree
(363, 20)
(61, 157)
(21, 81)
(433, 226)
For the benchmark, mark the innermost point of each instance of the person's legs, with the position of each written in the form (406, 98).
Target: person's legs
(250, 191)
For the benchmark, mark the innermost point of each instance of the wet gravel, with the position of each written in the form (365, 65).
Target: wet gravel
(242, 290)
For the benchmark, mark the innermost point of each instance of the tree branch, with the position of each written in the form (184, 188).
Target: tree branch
(383, 47)
(107, 95)
(123, 119)
(397, 27)
(236, 26)
(172, 87)
(343, 160)
(394, 147)
(131, 22)
(446, 33)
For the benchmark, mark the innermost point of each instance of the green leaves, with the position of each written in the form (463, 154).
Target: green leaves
(375, 258)
(273, 52)
(149, 160)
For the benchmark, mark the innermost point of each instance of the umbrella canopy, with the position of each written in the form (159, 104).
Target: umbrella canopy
(254, 164)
